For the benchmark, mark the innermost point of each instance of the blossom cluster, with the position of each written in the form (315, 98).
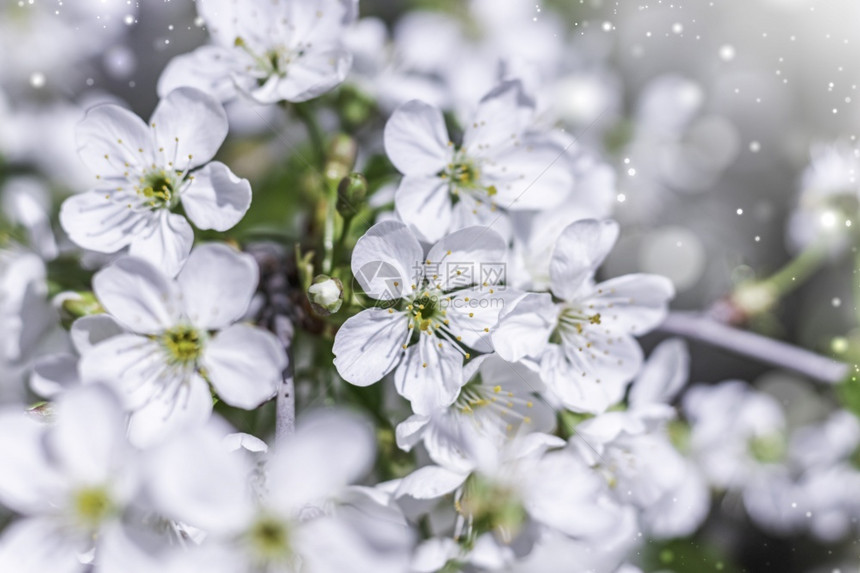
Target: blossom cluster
(471, 388)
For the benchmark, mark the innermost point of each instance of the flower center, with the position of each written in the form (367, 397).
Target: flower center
(270, 539)
(464, 177)
(491, 507)
(767, 448)
(183, 344)
(158, 189)
(575, 319)
(92, 505)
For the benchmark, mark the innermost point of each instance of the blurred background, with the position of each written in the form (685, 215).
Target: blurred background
(724, 122)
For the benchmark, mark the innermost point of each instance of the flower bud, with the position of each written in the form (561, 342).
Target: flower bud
(325, 294)
(74, 305)
(341, 157)
(351, 193)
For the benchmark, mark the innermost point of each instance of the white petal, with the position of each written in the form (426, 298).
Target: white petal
(431, 375)
(181, 481)
(89, 437)
(572, 503)
(663, 375)
(88, 331)
(423, 203)
(216, 198)
(410, 431)
(189, 128)
(39, 545)
(96, 222)
(579, 251)
(217, 284)
(311, 75)
(387, 260)
(535, 175)
(133, 365)
(474, 313)
(368, 345)
(138, 295)
(525, 327)
(207, 68)
(502, 116)
(329, 450)
(430, 482)
(166, 242)
(27, 484)
(416, 139)
(469, 256)
(594, 392)
(165, 417)
(245, 365)
(54, 374)
(633, 304)
(109, 137)
(432, 555)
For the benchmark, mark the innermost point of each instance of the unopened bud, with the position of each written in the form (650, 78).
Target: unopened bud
(326, 295)
(351, 193)
(74, 305)
(341, 157)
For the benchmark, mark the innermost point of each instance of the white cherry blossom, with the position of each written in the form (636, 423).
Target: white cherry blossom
(581, 336)
(179, 336)
(438, 311)
(500, 166)
(144, 171)
(288, 50)
(70, 481)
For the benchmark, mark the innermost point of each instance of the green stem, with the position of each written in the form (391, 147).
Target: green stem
(328, 231)
(305, 114)
(855, 283)
(760, 296)
(797, 270)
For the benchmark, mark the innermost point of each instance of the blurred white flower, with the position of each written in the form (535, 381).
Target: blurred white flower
(501, 166)
(145, 171)
(829, 201)
(498, 401)
(288, 50)
(71, 481)
(181, 335)
(584, 345)
(296, 520)
(514, 494)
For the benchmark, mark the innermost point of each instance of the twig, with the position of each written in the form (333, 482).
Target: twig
(285, 403)
(699, 327)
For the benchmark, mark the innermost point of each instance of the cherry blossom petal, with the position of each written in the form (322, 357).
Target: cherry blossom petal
(423, 202)
(165, 242)
(189, 127)
(138, 295)
(217, 284)
(465, 257)
(369, 345)
(579, 251)
(110, 139)
(431, 375)
(524, 328)
(167, 416)
(245, 365)
(216, 198)
(97, 222)
(329, 450)
(387, 260)
(416, 139)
